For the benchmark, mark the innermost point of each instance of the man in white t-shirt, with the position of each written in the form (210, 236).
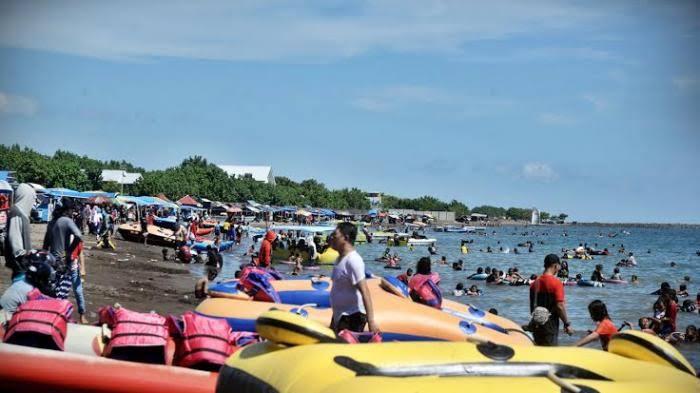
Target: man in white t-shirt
(350, 298)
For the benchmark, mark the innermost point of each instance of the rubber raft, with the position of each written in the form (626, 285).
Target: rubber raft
(398, 316)
(637, 362)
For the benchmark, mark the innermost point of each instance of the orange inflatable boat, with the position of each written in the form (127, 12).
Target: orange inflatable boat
(399, 318)
(27, 369)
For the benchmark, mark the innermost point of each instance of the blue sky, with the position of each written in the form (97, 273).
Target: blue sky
(584, 107)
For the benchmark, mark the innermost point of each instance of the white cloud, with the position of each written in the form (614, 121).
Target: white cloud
(537, 171)
(598, 102)
(686, 82)
(19, 105)
(555, 119)
(280, 30)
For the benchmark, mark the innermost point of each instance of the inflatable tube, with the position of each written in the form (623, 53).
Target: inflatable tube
(39, 370)
(202, 246)
(649, 348)
(328, 257)
(204, 231)
(395, 286)
(399, 319)
(478, 276)
(395, 267)
(227, 289)
(442, 367)
(296, 292)
(289, 328)
(589, 283)
(570, 283)
(611, 281)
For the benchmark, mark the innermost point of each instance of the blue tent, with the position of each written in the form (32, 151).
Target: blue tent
(372, 212)
(65, 192)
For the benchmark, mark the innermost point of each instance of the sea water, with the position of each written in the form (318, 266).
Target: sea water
(654, 249)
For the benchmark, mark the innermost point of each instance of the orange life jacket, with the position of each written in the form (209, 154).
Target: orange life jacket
(37, 317)
(203, 342)
(131, 329)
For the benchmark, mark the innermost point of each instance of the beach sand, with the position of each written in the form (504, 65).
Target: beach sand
(134, 275)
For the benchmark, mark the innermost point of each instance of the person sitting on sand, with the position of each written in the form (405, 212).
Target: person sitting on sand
(605, 328)
(459, 290)
(616, 274)
(201, 286)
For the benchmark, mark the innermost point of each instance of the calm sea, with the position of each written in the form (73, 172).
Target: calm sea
(654, 249)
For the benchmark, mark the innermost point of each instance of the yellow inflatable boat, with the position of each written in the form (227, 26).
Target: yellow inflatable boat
(441, 367)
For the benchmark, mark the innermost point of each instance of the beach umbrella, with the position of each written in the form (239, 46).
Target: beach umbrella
(99, 200)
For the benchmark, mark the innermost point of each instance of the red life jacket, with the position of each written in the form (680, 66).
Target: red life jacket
(46, 317)
(424, 290)
(203, 342)
(351, 337)
(132, 329)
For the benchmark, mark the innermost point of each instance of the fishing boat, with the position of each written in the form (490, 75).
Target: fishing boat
(156, 235)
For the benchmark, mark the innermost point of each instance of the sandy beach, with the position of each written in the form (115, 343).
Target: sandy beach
(134, 275)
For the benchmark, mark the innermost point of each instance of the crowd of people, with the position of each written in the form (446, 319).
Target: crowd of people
(59, 270)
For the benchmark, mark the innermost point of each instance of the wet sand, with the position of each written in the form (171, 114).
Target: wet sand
(133, 275)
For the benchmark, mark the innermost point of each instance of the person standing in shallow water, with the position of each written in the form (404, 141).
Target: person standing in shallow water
(350, 297)
(548, 291)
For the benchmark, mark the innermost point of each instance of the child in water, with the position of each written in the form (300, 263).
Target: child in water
(616, 274)
(604, 326)
(459, 290)
(473, 291)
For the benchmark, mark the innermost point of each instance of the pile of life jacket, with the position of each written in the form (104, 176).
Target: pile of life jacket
(40, 322)
(256, 282)
(199, 342)
(424, 289)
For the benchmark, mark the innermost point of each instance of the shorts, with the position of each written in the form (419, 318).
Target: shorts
(354, 322)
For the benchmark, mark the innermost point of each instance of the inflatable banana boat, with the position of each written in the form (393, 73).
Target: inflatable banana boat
(328, 366)
(399, 318)
(27, 369)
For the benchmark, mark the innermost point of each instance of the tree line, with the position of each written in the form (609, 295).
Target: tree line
(198, 177)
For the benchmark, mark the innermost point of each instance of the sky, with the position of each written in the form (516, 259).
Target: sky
(589, 108)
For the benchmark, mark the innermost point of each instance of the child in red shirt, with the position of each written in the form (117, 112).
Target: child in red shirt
(604, 326)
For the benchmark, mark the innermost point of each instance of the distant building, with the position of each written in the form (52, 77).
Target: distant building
(535, 219)
(259, 173)
(119, 176)
(375, 199)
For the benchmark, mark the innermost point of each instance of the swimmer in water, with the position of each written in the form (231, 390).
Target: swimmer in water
(459, 290)
(473, 291)
(616, 274)
(634, 279)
